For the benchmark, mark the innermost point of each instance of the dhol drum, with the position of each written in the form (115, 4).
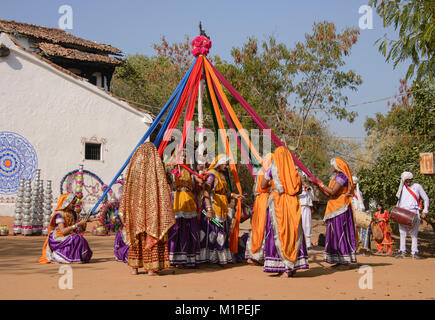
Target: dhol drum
(404, 217)
(362, 219)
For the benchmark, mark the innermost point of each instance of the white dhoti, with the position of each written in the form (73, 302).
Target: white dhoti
(306, 224)
(413, 232)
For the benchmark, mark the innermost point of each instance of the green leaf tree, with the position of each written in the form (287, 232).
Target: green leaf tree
(415, 21)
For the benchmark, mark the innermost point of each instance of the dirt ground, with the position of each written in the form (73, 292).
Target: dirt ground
(104, 278)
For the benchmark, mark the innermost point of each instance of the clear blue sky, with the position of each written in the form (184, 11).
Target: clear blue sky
(133, 26)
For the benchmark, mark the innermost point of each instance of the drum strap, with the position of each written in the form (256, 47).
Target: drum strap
(414, 196)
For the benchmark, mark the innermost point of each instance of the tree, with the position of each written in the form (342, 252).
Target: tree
(150, 81)
(415, 21)
(409, 128)
(285, 86)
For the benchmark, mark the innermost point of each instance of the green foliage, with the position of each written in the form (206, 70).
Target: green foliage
(412, 119)
(415, 21)
(286, 86)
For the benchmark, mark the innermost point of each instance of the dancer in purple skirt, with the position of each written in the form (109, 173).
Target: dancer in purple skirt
(340, 244)
(184, 234)
(284, 248)
(65, 243)
(121, 247)
(214, 239)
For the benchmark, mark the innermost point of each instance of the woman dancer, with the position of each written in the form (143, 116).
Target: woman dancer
(147, 211)
(341, 240)
(255, 243)
(65, 243)
(214, 239)
(285, 248)
(184, 235)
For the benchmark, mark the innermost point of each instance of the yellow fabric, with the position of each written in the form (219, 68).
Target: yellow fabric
(258, 220)
(220, 201)
(287, 205)
(184, 201)
(234, 236)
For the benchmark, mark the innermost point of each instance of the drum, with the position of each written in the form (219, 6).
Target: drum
(404, 217)
(362, 219)
(377, 232)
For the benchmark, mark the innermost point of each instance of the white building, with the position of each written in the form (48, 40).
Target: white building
(55, 120)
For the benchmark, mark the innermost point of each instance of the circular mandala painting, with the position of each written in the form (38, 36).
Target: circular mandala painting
(18, 160)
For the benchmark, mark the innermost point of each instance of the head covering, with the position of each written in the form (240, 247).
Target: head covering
(67, 199)
(288, 174)
(287, 215)
(341, 166)
(146, 204)
(358, 193)
(405, 176)
(266, 163)
(220, 159)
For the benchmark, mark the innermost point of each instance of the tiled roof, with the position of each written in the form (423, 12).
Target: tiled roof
(55, 50)
(54, 35)
(78, 77)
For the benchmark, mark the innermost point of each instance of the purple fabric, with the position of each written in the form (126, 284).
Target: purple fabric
(340, 243)
(210, 179)
(214, 241)
(73, 249)
(341, 179)
(259, 121)
(272, 261)
(184, 242)
(121, 248)
(268, 175)
(240, 255)
(228, 117)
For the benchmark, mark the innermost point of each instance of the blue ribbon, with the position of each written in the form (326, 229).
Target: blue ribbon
(150, 130)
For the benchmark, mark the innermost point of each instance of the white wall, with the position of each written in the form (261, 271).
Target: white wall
(56, 112)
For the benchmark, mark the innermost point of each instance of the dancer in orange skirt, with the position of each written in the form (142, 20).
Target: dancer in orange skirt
(383, 218)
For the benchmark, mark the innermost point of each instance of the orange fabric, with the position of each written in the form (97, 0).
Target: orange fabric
(343, 197)
(43, 258)
(388, 247)
(233, 115)
(383, 225)
(234, 236)
(259, 211)
(287, 205)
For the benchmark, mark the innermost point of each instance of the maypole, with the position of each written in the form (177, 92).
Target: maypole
(201, 128)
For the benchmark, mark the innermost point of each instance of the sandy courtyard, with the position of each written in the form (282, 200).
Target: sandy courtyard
(104, 278)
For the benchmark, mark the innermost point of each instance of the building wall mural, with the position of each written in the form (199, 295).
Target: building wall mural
(18, 159)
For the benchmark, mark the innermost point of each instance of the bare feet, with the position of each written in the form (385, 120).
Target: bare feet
(250, 261)
(288, 275)
(152, 273)
(134, 272)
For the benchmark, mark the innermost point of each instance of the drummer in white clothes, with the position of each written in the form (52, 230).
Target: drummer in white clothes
(306, 199)
(409, 195)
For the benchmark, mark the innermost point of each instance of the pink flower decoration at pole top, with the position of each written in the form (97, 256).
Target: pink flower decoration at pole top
(200, 45)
